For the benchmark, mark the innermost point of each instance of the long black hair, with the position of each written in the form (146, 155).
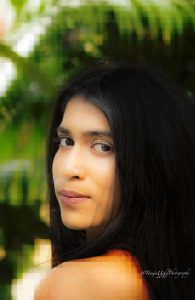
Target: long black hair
(153, 125)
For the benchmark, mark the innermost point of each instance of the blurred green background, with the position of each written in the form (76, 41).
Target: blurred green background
(43, 43)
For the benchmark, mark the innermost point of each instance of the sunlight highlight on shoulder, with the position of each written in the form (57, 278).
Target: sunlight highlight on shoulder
(101, 278)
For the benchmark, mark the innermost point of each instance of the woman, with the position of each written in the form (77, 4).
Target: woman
(121, 177)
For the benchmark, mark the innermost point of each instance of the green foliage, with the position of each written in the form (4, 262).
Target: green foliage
(21, 164)
(20, 226)
(79, 35)
(25, 67)
(19, 5)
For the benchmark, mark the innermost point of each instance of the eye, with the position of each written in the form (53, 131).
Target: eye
(102, 147)
(65, 141)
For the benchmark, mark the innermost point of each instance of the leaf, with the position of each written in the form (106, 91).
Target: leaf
(19, 5)
(26, 67)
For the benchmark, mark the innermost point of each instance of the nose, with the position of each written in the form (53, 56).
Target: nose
(73, 164)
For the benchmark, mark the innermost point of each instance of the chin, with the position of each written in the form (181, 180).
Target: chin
(73, 225)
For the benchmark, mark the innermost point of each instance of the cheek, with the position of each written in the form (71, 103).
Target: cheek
(104, 175)
(107, 196)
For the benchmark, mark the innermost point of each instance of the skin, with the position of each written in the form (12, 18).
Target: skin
(82, 164)
(111, 277)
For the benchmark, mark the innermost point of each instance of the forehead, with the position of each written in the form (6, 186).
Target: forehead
(80, 112)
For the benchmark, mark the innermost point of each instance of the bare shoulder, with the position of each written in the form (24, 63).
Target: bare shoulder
(97, 278)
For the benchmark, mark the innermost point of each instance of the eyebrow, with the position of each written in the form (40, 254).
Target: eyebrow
(91, 133)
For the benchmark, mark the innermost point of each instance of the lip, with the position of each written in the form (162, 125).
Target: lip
(70, 197)
(72, 194)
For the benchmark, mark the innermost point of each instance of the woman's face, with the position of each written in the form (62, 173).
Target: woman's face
(85, 164)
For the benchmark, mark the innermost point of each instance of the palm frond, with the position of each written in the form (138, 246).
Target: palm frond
(22, 63)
